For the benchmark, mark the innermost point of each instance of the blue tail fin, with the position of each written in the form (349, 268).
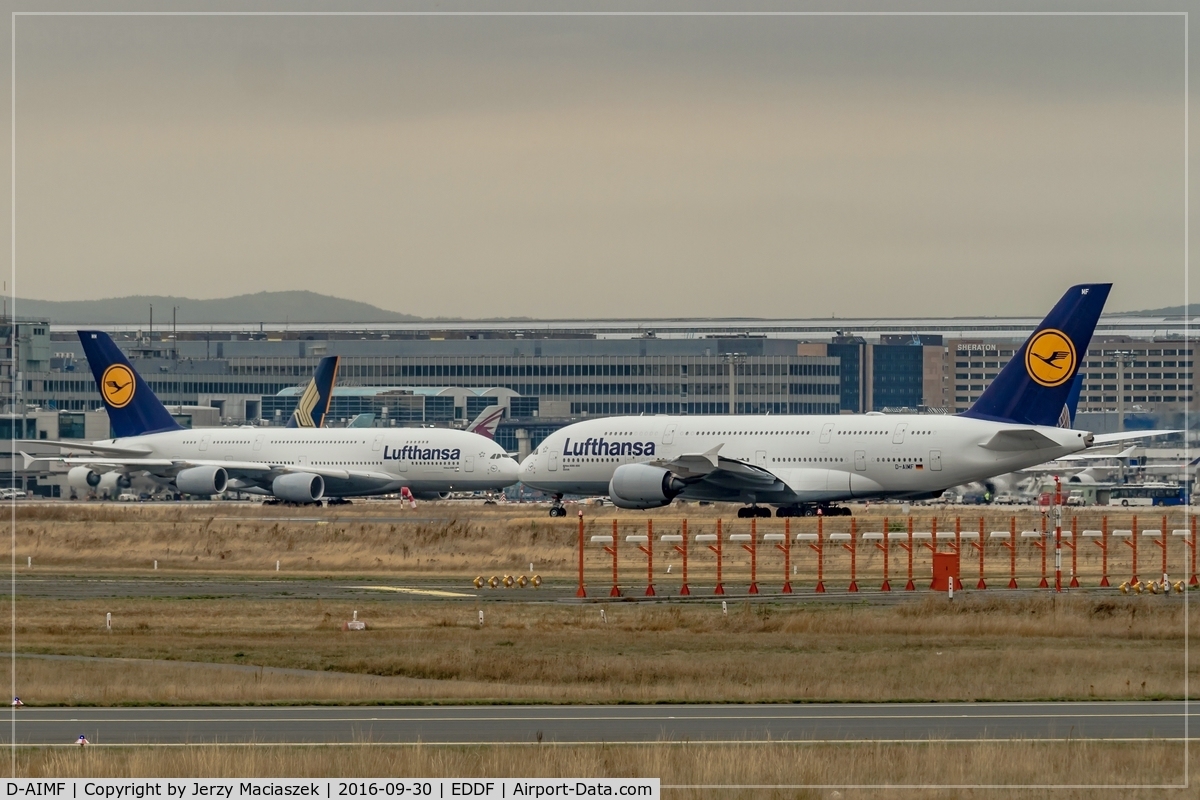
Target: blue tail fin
(314, 403)
(1033, 389)
(132, 407)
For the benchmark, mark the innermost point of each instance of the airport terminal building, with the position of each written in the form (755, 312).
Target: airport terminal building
(1137, 371)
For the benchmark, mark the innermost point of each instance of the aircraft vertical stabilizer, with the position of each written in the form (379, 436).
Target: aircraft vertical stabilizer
(132, 407)
(1035, 387)
(314, 402)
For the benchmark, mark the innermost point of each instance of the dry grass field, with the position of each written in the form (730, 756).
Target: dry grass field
(982, 647)
(830, 767)
(985, 646)
(462, 540)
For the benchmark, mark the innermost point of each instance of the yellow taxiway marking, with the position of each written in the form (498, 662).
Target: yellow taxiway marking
(406, 590)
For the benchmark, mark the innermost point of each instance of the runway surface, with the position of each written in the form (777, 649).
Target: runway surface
(593, 724)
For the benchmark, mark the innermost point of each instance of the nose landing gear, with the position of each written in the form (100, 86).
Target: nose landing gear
(556, 507)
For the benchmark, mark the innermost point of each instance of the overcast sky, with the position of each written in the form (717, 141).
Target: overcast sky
(615, 166)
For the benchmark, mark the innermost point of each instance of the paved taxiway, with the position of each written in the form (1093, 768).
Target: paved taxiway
(72, 587)
(591, 724)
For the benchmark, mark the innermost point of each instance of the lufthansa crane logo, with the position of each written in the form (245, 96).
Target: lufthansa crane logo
(117, 385)
(1050, 357)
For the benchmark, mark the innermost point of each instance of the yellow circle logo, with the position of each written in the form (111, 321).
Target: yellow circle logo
(1050, 358)
(117, 385)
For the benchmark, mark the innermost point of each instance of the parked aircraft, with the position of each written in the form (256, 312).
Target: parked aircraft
(802, 464)
(300, 465)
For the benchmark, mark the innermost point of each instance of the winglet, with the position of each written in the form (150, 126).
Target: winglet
(713, 455)
(28, 459)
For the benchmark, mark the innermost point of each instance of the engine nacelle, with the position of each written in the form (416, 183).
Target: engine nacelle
(299, 487)
(202, 480)
(83, 479)
(643, 486)
(112, 483)
(431, 495)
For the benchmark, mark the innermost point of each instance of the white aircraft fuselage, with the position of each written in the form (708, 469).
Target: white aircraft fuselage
(798, 459)
(352, 461)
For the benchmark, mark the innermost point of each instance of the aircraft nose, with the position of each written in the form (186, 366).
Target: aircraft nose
(510, 470)
(530, 464)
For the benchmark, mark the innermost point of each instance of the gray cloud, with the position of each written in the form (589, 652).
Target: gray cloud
(604, 166)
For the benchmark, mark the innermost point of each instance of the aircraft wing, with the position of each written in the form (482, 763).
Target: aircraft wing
(1126, 453)
(1069, 469)
(711, 467)
(106, 449)
(1126, 436)
(1167, 467)
(167, 466)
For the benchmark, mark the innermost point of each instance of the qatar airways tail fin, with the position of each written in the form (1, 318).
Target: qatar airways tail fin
(487, 422)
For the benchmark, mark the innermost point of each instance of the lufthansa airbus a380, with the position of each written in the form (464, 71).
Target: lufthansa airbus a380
(296, 464)
(800, 464)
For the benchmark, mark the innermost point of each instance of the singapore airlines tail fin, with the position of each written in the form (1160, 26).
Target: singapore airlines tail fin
(314, 403)
(132, 407)
(1035, 387)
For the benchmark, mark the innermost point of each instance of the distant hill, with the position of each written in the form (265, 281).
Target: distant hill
(1170, 311)
(273, 307)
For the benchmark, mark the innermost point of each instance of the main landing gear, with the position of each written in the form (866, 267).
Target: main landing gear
(810, 510)
(556, 507)
(337, 501)
(753, 511)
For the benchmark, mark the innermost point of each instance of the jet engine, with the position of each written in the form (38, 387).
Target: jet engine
(299, 487)
(643, 486)
(202, 480)
(113, 483)
(431, 495)
(83, 479)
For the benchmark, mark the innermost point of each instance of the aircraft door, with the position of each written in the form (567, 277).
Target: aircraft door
(554, 461)
(935, 460)
(258, 440)
(898, 436)
(860, 460)
(378, 442)
(203, 443)
(669, 434)
(760, 458)
(469, 464)
(826, 432)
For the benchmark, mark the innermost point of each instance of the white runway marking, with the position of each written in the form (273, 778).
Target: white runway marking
(407, 590)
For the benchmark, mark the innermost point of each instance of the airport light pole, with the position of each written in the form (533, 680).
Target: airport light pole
(1123, 358)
